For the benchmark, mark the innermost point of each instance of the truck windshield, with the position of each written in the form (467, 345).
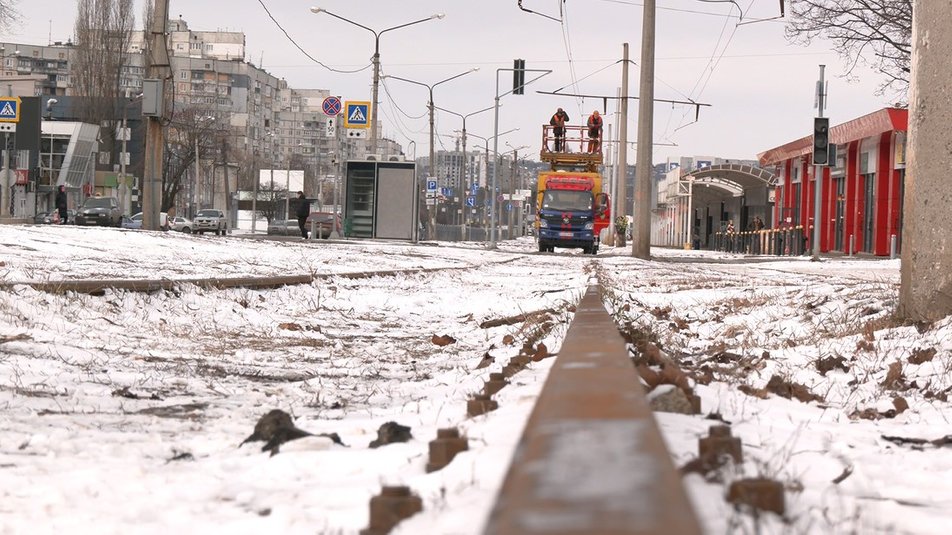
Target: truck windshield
(568, 200)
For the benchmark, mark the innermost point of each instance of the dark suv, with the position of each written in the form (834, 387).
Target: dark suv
(102, 211)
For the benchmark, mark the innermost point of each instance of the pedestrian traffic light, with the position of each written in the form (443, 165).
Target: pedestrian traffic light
(518, 76)
(821, 141)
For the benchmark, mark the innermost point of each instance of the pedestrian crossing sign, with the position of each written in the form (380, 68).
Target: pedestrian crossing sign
(357, 114)
(9, 109)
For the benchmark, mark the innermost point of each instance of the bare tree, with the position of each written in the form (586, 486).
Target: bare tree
(193, 128)
(8, 14)
(873, 32)
(103, 33)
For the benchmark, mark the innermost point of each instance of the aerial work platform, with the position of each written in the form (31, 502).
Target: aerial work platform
(577, 150)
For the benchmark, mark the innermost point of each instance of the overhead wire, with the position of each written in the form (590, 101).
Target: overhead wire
(567, 43)
(296, 45)
(707, 73)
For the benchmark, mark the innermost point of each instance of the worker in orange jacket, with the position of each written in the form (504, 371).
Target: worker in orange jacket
(594, 132)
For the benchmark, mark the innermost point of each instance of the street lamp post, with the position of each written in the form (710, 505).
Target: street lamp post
(486, 141)
(512, 181)
(465, 162)
(430, 106)
(376, 62)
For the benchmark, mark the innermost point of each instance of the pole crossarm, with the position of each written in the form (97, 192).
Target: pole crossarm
(543, 71)
(697, 105)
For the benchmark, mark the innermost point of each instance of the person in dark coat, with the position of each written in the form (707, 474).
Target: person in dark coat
(303, 210)
(557, 122)
(61, 204)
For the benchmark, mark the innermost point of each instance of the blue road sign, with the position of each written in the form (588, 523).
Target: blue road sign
(9, 109)
(331, 106)
(470, 201)
(474, 189)
(431, 185)
(447, 192)
(357, 114)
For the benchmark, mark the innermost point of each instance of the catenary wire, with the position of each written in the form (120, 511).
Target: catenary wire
(296, 45)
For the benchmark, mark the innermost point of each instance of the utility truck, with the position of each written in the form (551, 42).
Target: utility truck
(571, 207)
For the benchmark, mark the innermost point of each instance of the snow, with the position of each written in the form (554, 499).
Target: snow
(123, 412)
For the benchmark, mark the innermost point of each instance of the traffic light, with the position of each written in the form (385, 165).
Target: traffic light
(821, 141)
(518, 76)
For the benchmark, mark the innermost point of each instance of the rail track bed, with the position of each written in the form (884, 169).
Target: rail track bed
(458, 386)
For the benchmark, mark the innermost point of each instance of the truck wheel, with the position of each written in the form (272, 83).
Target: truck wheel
(543, 247)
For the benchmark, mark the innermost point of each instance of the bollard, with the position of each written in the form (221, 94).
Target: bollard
(313, 228)
(892, 246)
(392, 505)
(444, 448)
(852, 243)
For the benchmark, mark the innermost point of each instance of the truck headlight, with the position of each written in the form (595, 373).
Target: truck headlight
(590, 225)
(543, 223)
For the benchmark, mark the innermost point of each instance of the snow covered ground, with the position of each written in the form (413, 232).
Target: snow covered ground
(123, 413)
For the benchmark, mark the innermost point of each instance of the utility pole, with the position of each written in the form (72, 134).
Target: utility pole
(621, 164)
(818, 176)
(641, 211)
(256, 177)
(925, 292)
(154, 135)
(224, 163)
(512, 188)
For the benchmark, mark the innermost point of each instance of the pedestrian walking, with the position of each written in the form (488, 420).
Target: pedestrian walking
(61, 204)
(594, 132)
(303, 210)
(557, 122)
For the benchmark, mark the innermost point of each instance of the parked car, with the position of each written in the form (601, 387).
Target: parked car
(284, 227)
(102, 211)
(325, 223)
(135, 221)
(210, 220)
(46, 218)
(182, 224)
(132, 222)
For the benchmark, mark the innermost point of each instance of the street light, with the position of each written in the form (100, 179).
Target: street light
(486, 140)
(430, 106)
(512, 180)
(465, 161)
(199, 121)
(376, 62)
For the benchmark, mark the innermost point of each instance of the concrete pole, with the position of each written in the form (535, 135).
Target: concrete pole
(431, 209)
(690, 237)
(154, 135)
(640, 234)
(256, 177)
(195, 181)
(465, 193)
(373, 109)
(621, 168)
(818, 178)
(925, 293)
(287, 191)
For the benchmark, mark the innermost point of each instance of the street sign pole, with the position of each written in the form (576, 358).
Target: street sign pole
(9, 117)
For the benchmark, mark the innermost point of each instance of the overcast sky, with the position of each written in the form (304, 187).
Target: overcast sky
(759, 87)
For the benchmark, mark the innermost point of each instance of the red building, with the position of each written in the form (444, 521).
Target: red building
(861, 188)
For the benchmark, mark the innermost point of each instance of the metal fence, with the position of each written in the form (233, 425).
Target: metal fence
(790, 241)
(473, 233)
